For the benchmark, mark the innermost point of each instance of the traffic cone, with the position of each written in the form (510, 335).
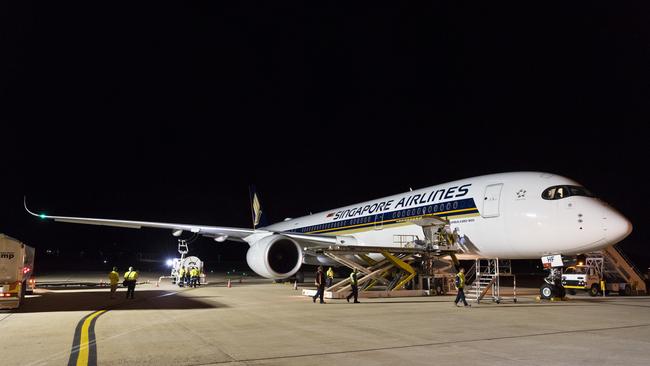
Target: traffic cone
(229, 286)
(295, 285)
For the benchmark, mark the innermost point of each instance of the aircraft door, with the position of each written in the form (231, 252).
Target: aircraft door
(491, 200)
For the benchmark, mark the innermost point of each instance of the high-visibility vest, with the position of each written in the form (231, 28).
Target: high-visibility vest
(131, 276)
(194, 272)
(353, 278)
(114, 278)
(182, 272)
(330, 273)
(461, 277)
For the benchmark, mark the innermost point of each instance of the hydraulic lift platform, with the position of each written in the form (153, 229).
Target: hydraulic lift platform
(388, 271)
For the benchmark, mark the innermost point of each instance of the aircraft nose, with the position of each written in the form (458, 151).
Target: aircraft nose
(618, 227)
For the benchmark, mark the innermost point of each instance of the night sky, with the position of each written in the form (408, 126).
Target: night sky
(167, 112)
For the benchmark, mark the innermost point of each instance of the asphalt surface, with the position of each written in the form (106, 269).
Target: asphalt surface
(258, 322)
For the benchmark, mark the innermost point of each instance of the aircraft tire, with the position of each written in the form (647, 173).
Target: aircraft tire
(627, 291)
(547, 291)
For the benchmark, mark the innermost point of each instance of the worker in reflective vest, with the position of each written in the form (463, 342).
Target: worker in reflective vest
(460, 285)
(130, 278)
(114, 279)
(181, 276)
(330, 277)
(194, 273)
(355, 288)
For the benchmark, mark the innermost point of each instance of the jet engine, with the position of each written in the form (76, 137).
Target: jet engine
(275, 256)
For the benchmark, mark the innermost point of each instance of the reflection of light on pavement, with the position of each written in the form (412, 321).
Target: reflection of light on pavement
(168, 294)
(32, 296)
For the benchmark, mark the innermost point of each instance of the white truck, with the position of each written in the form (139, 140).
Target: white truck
(587, 278)
(16, 268)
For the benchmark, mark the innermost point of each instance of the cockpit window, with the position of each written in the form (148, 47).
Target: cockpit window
(559, 192)
(553, 193)
(579, 191)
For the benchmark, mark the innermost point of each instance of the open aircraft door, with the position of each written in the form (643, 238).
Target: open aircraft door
(491, 200)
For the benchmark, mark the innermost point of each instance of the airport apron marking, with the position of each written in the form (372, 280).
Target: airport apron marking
(84, 346)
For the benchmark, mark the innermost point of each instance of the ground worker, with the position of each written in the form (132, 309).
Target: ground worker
(194, 273)
(330, 276)
(354, 284)
(320, 285)
(113, 278)
(460, 285)
(181, 276)
(186, 278)
(130, 278)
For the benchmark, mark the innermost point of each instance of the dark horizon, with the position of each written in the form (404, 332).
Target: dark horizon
(168, 112)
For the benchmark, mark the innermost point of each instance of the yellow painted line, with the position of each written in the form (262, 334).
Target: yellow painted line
(82, 359)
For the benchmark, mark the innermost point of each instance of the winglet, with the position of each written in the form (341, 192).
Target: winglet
(42, 216)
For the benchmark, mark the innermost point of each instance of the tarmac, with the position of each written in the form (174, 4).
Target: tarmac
(258, 322)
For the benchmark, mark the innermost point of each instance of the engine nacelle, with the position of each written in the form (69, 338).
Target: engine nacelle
(275, 256)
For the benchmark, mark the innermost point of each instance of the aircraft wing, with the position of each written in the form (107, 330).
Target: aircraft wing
(210, 231)
(223, 232)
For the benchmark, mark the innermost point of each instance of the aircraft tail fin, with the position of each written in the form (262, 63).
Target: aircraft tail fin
(258, 216)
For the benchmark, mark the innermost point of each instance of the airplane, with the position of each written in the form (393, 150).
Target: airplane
(516, 215)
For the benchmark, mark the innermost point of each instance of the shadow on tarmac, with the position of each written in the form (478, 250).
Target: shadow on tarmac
(100, 299)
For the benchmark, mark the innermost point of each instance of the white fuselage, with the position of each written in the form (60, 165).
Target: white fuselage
(499, 215)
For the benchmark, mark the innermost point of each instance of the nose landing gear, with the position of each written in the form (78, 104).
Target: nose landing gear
(552, 287)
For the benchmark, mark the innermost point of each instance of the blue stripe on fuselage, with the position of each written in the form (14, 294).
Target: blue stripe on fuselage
(439, 209)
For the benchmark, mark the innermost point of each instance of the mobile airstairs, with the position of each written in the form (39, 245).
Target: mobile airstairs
(611, 263)
(484, 280)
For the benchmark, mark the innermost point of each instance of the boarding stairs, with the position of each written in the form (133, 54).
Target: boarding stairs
(484, 277)
(611, 262)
